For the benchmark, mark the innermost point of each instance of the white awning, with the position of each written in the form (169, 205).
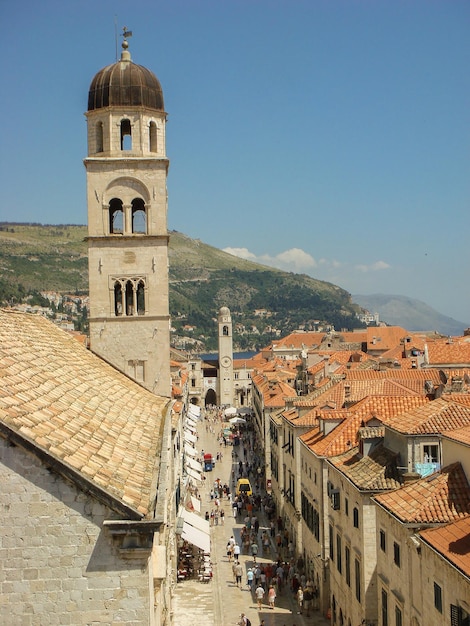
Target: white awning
(198, 538)
(193, 464)
(189, 437)
(189, 450)
(195, 475)
(194, 410)
(195, 520)
(196, 504)
(190, 426)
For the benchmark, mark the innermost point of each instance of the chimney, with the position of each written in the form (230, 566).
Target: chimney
(410, 477)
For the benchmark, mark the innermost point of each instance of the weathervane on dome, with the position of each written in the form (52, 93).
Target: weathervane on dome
(126, 33)
(125, 54)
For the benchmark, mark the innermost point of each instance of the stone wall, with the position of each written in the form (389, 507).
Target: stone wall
(59, 566)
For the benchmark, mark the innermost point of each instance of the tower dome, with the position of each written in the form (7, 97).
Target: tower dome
(125, 84)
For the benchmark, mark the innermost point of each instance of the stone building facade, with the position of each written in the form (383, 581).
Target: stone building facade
(60, 564)
(88, 485)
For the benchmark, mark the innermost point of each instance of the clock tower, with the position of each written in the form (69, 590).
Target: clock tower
(225, 374)
(126, 172)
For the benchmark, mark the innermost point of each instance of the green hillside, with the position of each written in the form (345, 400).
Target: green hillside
(35, 257)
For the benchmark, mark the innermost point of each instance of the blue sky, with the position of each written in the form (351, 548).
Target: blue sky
(326, 137)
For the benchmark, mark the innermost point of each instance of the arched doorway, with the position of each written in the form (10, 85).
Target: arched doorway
(211, 398)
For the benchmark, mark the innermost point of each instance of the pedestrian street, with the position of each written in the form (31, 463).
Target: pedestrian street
(220, 602)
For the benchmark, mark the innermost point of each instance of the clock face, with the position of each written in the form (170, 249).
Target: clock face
(226, 360)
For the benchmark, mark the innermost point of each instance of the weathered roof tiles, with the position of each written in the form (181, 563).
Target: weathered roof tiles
(78, 409)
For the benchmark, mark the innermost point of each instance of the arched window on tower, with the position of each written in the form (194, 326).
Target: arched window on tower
(126, 135)
(117, 299)
(141, 298)
(129, 296)
(116, 217)
(130, 308)
(153, 137)
(99, 137)
(225, 331)
(139, 216)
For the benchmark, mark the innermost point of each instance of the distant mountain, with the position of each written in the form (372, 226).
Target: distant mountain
(264, 302)
(409, 313)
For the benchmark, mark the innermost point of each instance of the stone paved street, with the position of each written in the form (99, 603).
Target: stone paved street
(220, 602)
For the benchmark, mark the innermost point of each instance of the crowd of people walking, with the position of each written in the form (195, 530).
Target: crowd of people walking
(260, 550)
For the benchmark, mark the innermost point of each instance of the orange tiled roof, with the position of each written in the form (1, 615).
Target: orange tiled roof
(299, 340)
(441, 497)
(80, 337)
(345, 435)
(462, 435)
(461, 398)
(452, 353)
(358, 389)
(357, 336)
(432, 418)
(384, 338)
(248, 363)
(80, 410)
(176, 391)
(332, 394)
(374, 472)
(296, 419)
(453, 542)
(402, 376)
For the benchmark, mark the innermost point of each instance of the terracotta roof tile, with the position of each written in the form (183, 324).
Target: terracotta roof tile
(460, 398)
(384, 337)
(457, 352)
(375, 472)
(345, 435)
(459, 434)
(79, 409)
(299, 340)
(432, 418)
(453, 542)
(441, 497)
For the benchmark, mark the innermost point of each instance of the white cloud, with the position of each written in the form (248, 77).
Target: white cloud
(300, 262)
(297, 258)
(373, 267)
(293, 260)
(243, 253)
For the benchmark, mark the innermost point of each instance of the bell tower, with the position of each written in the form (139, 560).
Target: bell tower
(126, 172)
(225, 340)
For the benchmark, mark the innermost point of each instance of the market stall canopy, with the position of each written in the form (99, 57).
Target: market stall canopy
(198, 522)
(196, 504)
(194, 411)
(197, 537)
(237, 420)
(190, 438)
(190, 451)
(193, 464)
(190, 426)
(230, 411)
(192, 474)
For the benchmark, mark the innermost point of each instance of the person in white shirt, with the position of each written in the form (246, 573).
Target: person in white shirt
(259, 593)
(236, 551)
